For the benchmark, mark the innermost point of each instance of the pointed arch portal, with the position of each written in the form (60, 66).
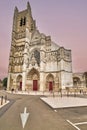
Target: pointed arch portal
(50, 80)
(19, 82)
(33, 76)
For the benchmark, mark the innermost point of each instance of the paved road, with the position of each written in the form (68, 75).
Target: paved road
(42, 117)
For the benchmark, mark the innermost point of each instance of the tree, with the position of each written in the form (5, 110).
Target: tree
(5, 82)
(85, 76)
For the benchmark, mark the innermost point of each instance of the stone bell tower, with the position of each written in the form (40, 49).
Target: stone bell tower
(23, 26)
(23, 20)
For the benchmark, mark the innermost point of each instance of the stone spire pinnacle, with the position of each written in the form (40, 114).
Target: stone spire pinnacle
(28, 6)
(16, 9)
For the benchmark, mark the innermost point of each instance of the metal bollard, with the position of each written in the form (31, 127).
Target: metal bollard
(5, 98)
(1, 100)
(53, 94)
(61, 94)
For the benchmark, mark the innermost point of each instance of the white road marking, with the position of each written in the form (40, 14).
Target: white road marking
(73, 125)
(80, 123)
(24, 117)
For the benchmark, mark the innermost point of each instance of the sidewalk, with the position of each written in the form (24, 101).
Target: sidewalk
(56, 101)
(33, 93)
(64, 102)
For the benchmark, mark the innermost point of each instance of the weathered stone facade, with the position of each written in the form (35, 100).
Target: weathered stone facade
(80, 80)
(36, 62)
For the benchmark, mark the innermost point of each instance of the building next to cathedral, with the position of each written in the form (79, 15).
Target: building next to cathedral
(36, 63)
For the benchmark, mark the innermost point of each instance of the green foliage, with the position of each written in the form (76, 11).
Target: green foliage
(5, 82)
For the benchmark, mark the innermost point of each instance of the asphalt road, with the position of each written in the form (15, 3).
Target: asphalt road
(41, 117)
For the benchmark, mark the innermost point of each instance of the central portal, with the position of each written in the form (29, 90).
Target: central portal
(35, 85)
(33, 80)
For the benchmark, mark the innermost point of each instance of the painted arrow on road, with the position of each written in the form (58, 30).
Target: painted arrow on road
(24, 117)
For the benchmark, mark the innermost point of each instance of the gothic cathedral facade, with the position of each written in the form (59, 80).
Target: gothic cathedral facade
(36, 63)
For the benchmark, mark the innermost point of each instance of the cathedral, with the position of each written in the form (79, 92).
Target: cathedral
(36, 63)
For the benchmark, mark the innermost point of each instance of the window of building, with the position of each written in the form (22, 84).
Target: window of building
(23, 21)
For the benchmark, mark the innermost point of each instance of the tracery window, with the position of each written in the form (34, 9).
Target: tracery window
(37, 56)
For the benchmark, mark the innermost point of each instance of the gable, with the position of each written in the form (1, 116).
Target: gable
(35, 36)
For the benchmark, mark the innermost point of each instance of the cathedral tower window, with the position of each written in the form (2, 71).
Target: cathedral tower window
(23, 21)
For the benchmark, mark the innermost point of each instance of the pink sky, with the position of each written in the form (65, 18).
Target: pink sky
(64, 20)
